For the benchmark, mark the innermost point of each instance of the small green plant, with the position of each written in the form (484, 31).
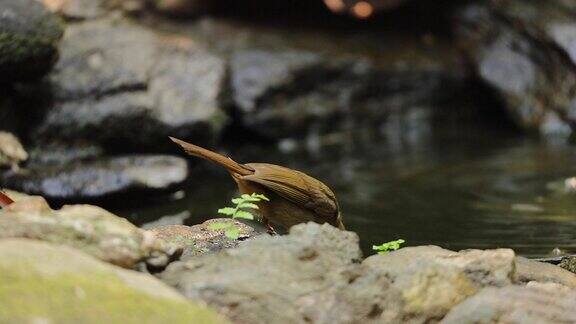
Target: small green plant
(388, 246)
(238, 211)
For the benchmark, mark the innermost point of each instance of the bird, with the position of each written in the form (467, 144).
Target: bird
(294, 197)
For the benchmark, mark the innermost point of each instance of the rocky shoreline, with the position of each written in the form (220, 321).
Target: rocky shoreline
(66, 265)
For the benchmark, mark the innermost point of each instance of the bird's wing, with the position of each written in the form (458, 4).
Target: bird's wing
(296, 187)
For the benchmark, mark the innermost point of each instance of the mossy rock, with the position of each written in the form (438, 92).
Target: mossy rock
(29, 36)
(42, 282)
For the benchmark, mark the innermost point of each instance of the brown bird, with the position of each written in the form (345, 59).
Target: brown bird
(295, 197)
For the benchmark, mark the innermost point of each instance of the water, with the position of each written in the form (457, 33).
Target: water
(459, 187)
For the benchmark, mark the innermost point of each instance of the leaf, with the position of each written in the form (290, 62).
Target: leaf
(244, 215)
(246, 197)
(260, 196)
(388, 246)
(232, 233)
(237, 201)
(248, 205)
(219, 226)
(227, 211)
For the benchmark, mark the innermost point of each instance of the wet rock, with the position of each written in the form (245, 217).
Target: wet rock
(88, 228)
(539, 303)
(291, 93)
(269, 279)
(29, 42)
(525, 52)
(201, 239)
(128, 88)
(101, 179)
(12, 152)
(528, 270)
(41, 282)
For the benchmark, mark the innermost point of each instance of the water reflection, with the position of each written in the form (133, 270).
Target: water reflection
(459, 188)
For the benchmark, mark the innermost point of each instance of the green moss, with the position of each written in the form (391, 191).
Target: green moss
(94, 298)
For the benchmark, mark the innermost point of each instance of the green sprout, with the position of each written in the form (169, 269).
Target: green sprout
(388, 246)
(239, 211)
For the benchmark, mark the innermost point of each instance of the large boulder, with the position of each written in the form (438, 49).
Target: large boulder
(127, 88)
(270, 280)
(42, 282)
(88, 228)
(29, 36)
(524, 51)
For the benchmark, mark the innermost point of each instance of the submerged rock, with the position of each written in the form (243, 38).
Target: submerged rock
(201, 239)
(524, 50)
(100, 179)
(88, 228)
(29, 40)
(127, 88)
(42, 282)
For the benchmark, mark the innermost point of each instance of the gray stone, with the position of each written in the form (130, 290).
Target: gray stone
(293, 93)
(529, 270)
(270, 279)
(29, 36)
(536, 303)
(430, 281)
(525, 51)
(88, 228)
(103, 178)
(122, 84)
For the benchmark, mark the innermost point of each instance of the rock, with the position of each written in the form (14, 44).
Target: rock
(101, 179)
(528, 270)
(549, 303)
(525, 52)
(269, 279)
(568, 263)
(122, 85)
(431, 280)
(12, 152)
(200, 239)
(291, 93)
(41, 282)
(29, 42)
(88, 228)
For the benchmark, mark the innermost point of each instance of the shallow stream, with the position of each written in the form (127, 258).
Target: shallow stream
(462, 186)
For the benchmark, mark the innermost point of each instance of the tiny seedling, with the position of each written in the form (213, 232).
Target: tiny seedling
(241, 204)
(388, 246)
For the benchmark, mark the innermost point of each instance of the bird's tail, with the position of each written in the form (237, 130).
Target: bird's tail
(226, 162)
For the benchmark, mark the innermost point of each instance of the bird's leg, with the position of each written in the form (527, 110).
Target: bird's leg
(269, 229)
